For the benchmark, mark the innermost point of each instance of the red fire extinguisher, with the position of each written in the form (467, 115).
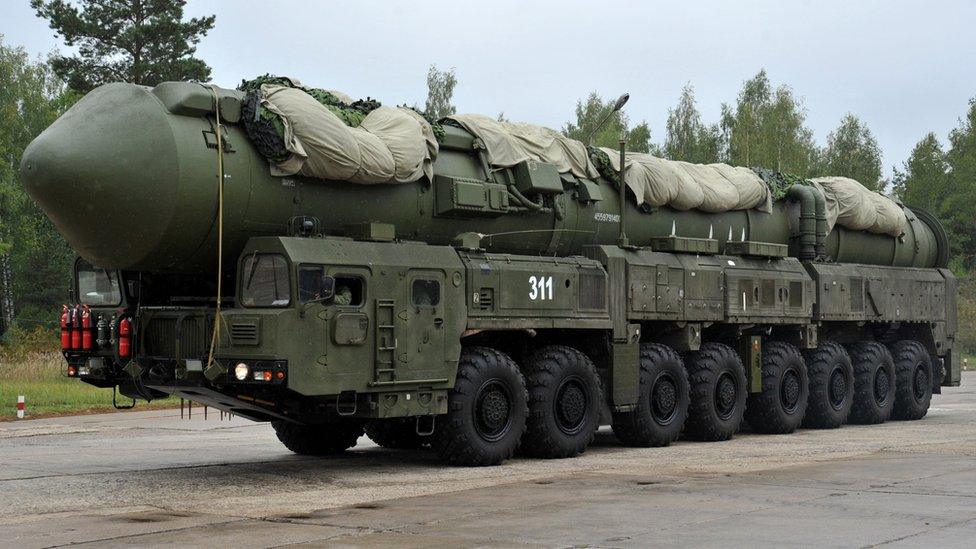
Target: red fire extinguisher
(86, 328)
(65, 328)
(125, 338)
(76, 327)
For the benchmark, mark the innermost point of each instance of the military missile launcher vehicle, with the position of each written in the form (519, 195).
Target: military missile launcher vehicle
(335, 267)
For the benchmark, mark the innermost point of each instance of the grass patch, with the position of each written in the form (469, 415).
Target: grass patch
(48, 391)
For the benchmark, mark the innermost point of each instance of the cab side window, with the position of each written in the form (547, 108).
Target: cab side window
(425, 293)
(312, 283)
(349, 291)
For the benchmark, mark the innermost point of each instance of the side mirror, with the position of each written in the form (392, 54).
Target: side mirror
(325, 294)
(327, 290)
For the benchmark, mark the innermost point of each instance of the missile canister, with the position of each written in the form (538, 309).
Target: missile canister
(129, 176)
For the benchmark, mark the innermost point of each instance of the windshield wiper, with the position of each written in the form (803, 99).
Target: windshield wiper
(254, 268)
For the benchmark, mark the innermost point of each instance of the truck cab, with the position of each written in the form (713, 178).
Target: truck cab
(332, 323)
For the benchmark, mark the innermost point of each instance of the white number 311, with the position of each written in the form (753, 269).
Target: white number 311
(540, 288)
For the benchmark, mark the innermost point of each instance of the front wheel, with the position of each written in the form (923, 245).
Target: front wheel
(486, 410)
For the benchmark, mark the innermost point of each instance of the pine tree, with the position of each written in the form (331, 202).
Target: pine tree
(140, 41)
(852, 151)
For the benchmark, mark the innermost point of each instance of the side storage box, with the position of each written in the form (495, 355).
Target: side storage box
(460, 197)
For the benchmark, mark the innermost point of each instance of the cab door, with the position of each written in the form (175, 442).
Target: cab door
(420, 312)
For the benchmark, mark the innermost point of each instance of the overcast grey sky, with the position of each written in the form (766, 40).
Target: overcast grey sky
(906, 68)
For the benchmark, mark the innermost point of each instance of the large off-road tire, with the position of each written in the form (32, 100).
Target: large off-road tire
(831, 386)
(486, 410)
(318, 440)
(396, 433)
(565, 396)
(913, 380)
(662, 404)
(780, 406)
(874, 383)
(718, 392)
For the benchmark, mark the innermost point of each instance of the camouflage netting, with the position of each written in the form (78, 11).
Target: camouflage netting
(849, 203)
(510, 143)
(325, 134)
(683, 186)
(712, 188)
(852, 205)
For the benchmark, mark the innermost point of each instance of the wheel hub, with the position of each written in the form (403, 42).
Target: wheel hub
(571, 406)
(664, 400)
(790, 390)
(838, 388)
(920, 382)
(725, 395)
(492, 411)
(882, 383)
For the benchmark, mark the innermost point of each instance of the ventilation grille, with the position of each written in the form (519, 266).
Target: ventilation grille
(159, 337)
(486, 299)
(593, 290)
(162, 338)
(857, 295)
(244, 333)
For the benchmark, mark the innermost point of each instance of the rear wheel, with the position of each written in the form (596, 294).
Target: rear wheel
(396, 433)
(781, 405)
(718, 392)
(913, 375)
(564, 402)
(318, 440)
(831, 386)
(486, 413)
(662, 404)
(874, 383)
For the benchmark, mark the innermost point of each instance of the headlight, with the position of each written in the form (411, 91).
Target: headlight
(240, 371)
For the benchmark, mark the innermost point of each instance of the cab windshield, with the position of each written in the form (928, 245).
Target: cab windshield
(264, 281)
(96, 286)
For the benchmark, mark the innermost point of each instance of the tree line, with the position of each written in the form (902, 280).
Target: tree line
(764, 127)
(147, 42)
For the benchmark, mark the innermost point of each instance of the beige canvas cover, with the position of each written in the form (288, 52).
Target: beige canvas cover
(712, 188)
(854, 206)
(509, 143)
(391, 145)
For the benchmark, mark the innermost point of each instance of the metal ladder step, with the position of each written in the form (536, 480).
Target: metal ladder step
(384, 364)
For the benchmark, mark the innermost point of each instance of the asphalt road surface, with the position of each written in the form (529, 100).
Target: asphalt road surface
(150, 478)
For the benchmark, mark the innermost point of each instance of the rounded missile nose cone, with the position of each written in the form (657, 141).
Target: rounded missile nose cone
(106, 174)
